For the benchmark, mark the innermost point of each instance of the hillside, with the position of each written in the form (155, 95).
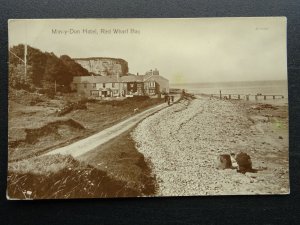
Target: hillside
(43, 69)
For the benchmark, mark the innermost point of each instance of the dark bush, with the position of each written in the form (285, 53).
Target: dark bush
(72, 106)
(139, 98)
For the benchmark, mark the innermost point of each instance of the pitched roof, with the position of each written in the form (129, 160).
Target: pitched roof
(95, 79)
(115, 79)
(132, 78)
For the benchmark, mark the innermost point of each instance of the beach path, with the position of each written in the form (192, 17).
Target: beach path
(87, 144)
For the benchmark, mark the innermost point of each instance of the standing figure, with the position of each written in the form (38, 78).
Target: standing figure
(166, 97)
(183, 93)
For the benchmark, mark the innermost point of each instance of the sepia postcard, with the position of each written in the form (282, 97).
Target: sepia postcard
(105, 108)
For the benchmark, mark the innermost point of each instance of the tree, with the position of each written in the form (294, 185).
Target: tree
(43, 68)
(73, 67)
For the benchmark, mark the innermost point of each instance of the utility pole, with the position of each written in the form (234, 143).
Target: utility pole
(22, 60)
(119, 84)
(25, 60)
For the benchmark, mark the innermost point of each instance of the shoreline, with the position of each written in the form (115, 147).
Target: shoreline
(277, 102)
(183, 144)
(153, 172)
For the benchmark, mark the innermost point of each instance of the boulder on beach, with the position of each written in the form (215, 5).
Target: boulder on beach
(244, 162)
(225, 161)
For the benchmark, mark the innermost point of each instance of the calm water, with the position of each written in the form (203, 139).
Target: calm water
(249, 87)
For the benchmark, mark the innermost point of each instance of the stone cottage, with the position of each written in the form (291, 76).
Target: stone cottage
(150, 84)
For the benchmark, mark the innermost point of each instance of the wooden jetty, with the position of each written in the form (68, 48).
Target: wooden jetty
(247, 97)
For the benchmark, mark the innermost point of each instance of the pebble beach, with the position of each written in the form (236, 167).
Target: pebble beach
(182, 144)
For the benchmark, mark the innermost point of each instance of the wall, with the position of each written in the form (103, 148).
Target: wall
(162, 84)
(86, 88)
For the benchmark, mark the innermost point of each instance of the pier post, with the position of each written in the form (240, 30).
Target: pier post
(282, 96)
(273, 96)
(255, 97)
(239, 97)
(265, 97)
(220, 94)
(247, 97)
(229, 96)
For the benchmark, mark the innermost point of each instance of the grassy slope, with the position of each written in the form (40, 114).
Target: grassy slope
(117, 170)
(121, 160)
(55, 131)
(57, 176)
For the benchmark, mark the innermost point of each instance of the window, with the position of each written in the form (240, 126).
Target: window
(94, 85)
(151, 84)
(84, 85)
(95, 93)
(103, 85)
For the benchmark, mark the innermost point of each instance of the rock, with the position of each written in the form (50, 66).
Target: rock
(225, 161)
(256, 107)
(263, 106)
(244, 162)
(104, 66)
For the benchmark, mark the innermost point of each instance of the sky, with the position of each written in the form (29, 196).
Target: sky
(183, 50)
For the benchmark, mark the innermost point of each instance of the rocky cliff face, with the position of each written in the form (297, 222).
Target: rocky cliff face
(104, 66)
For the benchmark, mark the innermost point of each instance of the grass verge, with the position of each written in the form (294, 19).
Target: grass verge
(115, 169)
(60, 177)
(34, 129)
(121, 160)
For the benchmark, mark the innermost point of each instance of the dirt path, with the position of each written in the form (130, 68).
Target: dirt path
(85, 145)
(184, 141)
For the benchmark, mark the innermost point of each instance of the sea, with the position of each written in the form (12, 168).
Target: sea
(270, 87)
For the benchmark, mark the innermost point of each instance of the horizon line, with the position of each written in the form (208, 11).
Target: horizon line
(214, 82)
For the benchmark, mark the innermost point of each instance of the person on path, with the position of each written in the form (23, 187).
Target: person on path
(166, 98)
